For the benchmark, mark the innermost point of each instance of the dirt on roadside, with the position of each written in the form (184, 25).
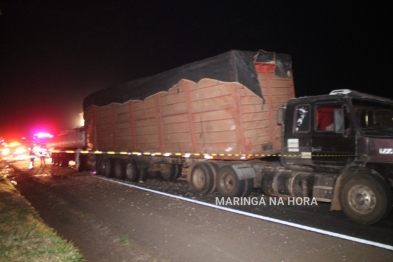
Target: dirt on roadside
(95, 239)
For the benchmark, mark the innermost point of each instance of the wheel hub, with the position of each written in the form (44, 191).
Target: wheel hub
(130, 172)
(198, 179)
(228, 182)
(362, 199)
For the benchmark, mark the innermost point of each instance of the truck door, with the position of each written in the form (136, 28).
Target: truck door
(297, 137)
(327, 146)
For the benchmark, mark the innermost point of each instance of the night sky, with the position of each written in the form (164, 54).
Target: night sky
(55, 53)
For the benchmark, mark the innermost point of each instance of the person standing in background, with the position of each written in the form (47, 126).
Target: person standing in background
(32, 157)
(42, 155)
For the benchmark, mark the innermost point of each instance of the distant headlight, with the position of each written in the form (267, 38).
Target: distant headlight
(5, 151)
(20, 150)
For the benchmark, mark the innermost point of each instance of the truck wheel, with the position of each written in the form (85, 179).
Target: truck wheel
(59, 159)
(179, 170)
(91, 162)
(214, 169)
(365, 199)
(131, 171)
(143, 174)
(118, 169)
(100, 166)
(202, 179)
(55, 159)
(168, 171)
(249, 185)
(108, 167)
(63, 160)
(228, 184)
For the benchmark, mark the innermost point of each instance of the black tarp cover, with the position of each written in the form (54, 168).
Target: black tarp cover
(233, 66)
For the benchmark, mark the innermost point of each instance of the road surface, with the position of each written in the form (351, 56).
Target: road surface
(108, 221)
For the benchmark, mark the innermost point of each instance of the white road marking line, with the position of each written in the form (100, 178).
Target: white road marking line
(282, 222)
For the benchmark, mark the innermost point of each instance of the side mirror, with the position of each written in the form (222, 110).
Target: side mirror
(339, 125)
(280, 116)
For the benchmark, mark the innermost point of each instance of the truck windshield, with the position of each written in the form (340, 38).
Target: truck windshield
(373, 117)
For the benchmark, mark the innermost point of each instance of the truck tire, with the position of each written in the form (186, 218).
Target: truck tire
(214, 169)
(91, 162)
(131, 171)
(63, 160)
(168, 171)
(108, 163)
(59, 159)
(202, 179)
(228, 184)
(100, 165)
(365, 199)
(118, 169)
(55, 159)
(179, 171)
(249, 185)
(143, 174)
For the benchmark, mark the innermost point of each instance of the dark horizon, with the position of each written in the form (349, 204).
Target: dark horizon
(55, 54)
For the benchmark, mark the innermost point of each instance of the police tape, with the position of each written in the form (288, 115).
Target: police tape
(199, 155)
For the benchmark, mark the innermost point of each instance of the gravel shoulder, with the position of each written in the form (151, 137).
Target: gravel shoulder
(52, 192)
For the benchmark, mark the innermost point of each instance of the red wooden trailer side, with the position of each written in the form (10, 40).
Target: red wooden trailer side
(223, 119)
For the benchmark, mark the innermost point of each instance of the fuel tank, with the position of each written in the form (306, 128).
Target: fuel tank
(281, 182)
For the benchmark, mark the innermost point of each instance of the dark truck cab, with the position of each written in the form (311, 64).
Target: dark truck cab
(342, 144)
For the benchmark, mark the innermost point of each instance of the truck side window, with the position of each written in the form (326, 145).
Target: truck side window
(302, 118)
(324, 118)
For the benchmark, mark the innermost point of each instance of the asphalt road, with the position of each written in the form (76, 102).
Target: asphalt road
(112, 222)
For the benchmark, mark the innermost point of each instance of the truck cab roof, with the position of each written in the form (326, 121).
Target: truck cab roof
(339, 94)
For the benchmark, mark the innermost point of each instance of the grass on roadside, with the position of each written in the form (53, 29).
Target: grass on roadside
(23, 235)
